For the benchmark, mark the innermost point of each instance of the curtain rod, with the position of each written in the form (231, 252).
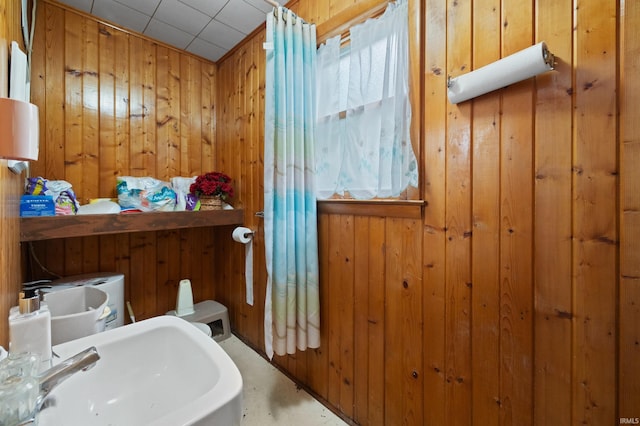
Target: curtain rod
(273, 3)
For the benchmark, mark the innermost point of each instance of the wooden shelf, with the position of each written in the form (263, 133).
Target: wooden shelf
(49, 227)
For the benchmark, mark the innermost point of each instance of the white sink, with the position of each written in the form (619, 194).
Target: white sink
(162, 372)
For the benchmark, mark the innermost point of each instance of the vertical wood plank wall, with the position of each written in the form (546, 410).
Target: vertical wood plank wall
(10, 183)
(629, 214)
(113, 103)
(513, 298)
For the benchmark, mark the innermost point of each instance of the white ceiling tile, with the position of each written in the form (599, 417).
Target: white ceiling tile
(262, 5)
(83, 5)
(168, 34)
(221, 34)
(120, 14)
(148, 7)
(241, 16)
(182, 16)
(206, 49)
(208, 7)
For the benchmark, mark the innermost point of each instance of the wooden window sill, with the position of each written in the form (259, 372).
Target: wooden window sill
(409, 209)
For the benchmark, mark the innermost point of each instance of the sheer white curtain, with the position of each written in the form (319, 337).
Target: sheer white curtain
(369, 152)
(330, 129)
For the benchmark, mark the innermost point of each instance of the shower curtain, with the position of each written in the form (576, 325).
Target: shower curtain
(292, 310)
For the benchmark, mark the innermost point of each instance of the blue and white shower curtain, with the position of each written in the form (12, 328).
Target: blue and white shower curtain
(292, 307)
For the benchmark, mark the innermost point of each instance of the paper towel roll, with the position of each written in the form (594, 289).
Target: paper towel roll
(517, 67)
(244, 236)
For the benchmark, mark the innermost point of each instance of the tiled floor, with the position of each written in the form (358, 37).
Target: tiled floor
(270, 397)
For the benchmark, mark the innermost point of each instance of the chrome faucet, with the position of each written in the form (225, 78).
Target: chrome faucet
(57, 374)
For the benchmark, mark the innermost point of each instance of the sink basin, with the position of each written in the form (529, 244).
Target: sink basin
(162, 372)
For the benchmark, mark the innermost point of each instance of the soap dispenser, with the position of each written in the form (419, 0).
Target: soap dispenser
(30, 327)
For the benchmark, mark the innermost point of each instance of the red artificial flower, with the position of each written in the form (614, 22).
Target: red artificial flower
(212, 184)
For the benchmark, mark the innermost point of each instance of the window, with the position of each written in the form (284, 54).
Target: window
(364, 114)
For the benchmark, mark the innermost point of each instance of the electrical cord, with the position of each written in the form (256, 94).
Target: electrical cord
(33, 255)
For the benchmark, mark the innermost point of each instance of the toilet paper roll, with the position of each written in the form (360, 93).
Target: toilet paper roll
(244, 236)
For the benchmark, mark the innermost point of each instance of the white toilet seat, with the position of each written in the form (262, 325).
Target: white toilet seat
(202, 327)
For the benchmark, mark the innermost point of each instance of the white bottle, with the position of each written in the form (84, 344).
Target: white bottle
(184, 301)
(30, 327)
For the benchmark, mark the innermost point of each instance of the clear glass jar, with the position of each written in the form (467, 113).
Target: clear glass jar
(19, 387)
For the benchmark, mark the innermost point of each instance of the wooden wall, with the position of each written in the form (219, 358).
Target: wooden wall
(113, 103)
(10, 185)
(240, 118)
(629, 214)
(512, 297)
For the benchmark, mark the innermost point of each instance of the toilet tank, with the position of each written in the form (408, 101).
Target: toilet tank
(111, 283)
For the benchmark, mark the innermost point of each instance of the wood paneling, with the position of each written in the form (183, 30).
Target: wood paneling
(486, 221)
(595, 218)
(629, 281)
(113, 103)
(516, 208)
(433, 185)
(10, 186)
(510, 297)
(495, 303)
(457, 250)
(552, 222)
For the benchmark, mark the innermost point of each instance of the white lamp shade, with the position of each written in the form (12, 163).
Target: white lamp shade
(19, 130)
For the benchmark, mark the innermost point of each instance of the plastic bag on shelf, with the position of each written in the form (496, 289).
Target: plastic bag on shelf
(145, 194)
(184, 199)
